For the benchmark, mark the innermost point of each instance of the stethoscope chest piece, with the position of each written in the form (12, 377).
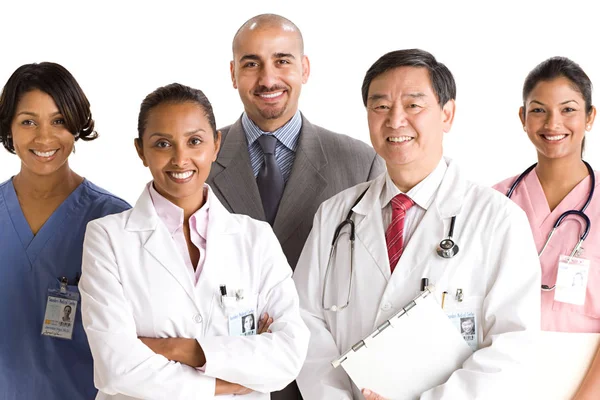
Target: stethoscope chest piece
(447, 248)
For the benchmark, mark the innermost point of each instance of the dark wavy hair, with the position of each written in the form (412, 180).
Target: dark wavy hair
(58, 83)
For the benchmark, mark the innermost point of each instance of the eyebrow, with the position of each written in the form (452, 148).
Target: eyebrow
(254, 57)
(563, 103)
(166, 135)
(376, 96)
(35, 115)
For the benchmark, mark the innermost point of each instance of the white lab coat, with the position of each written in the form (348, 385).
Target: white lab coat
(135, 284)
(497, 267)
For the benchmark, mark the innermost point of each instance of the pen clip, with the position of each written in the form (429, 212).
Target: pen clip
(63, 285)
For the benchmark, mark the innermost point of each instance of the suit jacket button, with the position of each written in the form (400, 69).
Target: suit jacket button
(386, 306)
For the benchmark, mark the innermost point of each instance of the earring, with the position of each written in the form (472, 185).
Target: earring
(588, 127)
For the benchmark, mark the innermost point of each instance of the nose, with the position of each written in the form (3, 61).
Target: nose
(553, 121)
(396, 117)
(268, 76)
(44, 134)
(180, 157)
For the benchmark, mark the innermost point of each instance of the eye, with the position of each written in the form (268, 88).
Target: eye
(283, 62)
(414, 106)
(250, 64)
(162, 144)
(59, 121)
(536, 110)
(569, 109)
(195, 141)
(381, 107)
(28, 122)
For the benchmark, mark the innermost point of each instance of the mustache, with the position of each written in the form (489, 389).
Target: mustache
(264, 89)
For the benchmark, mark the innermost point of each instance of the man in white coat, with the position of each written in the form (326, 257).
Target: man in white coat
(399, 221)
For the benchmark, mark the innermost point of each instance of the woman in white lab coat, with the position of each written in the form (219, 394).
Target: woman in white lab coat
(166, 285)
(493, 278)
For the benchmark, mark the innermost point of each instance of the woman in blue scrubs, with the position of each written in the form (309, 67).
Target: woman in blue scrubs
(44, 210)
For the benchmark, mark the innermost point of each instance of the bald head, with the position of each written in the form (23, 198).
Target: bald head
(267, 22)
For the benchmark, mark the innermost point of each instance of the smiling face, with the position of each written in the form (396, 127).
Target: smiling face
(406, 122)
(178, 146)
(268, 71)
(39, 135)
(555, 119)
(467, 326)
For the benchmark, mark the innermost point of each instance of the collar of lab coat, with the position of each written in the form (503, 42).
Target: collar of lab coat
(145, 218)
(448, 200)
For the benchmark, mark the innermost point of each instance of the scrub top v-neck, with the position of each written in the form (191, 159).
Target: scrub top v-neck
(33, 366)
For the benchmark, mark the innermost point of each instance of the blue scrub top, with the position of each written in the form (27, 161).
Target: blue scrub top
(33, 366)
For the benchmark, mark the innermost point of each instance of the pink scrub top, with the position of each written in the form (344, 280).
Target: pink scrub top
(529, 195)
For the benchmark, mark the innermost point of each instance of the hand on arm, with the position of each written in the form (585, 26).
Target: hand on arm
(371, 395)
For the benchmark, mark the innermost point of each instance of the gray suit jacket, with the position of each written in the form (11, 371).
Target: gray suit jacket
(326, 163)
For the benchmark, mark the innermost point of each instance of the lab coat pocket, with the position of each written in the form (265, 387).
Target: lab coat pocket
(466, 317)
(238, 314)
(591, 306)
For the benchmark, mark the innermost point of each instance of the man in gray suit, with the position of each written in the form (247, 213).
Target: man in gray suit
(274, 165)
(268, 69)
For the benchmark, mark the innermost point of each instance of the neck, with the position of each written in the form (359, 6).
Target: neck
(561, 172)
(189, 204)
(407, 177)
(62, 181)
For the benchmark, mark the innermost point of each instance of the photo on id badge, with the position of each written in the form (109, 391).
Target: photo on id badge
(242, 323)
(465, 322)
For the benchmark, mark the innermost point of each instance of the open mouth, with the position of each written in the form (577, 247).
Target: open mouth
(44, 154)
(399, 139)
(180, 177)
(554, 137)
(271, 96)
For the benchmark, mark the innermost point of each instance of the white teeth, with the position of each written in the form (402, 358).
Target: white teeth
(271, 95)
(181, 175)
(45, 153)
(555, 137)
(400, 139)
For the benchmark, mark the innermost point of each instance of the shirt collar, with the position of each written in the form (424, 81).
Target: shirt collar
(172, 215)
(422, 194)
(288, 134)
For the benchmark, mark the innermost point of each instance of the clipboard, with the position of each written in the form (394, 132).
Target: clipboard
(412, 352)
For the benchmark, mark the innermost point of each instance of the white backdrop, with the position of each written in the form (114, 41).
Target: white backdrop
(119, 51)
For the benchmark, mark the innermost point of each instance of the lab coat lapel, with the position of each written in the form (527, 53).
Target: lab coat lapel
(219, 238)
(159, 244)
(431, 230)
(369, 225)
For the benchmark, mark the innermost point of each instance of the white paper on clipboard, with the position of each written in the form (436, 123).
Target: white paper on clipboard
(414, 351)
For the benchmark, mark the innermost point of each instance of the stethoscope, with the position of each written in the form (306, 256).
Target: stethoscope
(446, 249)
(579, 213)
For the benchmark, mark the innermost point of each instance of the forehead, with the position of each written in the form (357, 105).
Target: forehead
(36, 100)
(402, 80)
(556, 90)
(177, 118)
(267, 41)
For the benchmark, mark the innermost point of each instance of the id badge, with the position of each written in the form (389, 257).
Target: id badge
(241, 314)
(466, 323)
(571, 281)
(61, 308)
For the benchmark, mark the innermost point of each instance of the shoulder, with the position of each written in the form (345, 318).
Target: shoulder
(5, 183)
(504, 185)
(334, 141)
(103, 201)
(491, 202)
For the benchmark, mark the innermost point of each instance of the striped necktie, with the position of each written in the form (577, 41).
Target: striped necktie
(394, 235)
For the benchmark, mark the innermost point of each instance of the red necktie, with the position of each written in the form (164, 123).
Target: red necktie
(395, 232)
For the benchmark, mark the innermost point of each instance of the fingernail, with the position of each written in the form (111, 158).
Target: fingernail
(366, 392)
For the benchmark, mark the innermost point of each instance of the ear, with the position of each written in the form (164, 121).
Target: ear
(140, 150)
(448, 115)
(589, 121)
(305, 69)
(217, 146)
(232, 72)
(522, 116)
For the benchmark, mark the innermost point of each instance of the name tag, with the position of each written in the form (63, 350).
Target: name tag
(59, 318)
(571, 281)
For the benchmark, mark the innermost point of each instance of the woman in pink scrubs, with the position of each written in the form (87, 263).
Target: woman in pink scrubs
(557, 112)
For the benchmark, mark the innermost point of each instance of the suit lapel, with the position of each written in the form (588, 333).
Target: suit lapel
(304, 185)
(159, 244)
(236, 182)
